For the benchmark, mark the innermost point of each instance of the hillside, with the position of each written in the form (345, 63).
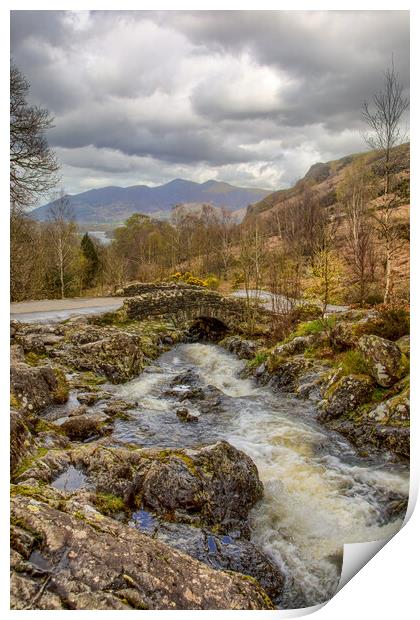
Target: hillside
(322, 181)
(116, 204)
(323, 178)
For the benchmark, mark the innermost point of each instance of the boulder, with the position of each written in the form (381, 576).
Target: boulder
(346, 395)
(17, 354)
(215, 484)
(384, 359)
(404, 345)
(111, 352)
(344, 335)
(115, 407)
(285, 374)
(294, 347)
(395, 410)
(224, 553)
(185, 416)
(83, 426)
(37, 387)
(88, 398)
(244, 349)
(76, 558)
(21, 439)
(371, 436)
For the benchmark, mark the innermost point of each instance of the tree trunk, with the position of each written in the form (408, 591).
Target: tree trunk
(388, 274)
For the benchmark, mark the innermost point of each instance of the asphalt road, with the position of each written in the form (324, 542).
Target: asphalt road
(60, 309)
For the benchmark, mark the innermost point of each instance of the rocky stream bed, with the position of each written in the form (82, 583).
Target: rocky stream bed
(153, 473)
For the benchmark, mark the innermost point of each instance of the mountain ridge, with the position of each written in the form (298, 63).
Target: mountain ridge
(114, 203)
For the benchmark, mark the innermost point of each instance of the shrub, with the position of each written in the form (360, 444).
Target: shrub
(212, 282)
(188, 278)
(392, 321)
(307, 312)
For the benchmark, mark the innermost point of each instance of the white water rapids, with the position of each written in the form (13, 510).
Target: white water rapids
(318, 494)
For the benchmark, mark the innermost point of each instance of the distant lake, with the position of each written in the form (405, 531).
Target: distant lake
(100, 235)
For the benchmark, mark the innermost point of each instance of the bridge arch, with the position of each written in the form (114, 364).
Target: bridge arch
(183, 303)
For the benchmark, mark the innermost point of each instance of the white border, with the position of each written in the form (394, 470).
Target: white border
(387, 586)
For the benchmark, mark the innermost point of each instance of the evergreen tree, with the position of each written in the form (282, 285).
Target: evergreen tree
(90, 260)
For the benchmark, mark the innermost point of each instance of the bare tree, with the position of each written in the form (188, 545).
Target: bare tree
(354, 194)
(62, 230)
(33, 165)
(384, 122)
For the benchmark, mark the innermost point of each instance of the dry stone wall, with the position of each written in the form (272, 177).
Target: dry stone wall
(183, 302)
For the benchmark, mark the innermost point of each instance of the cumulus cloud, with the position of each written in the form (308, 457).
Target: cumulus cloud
(249, 97)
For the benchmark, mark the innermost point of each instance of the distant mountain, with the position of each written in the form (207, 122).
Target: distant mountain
(116, 204)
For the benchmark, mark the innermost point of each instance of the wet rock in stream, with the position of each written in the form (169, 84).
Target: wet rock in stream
(76, 558)
(218, 551)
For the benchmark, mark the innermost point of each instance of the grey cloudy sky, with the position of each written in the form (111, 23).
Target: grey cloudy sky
(249, 97)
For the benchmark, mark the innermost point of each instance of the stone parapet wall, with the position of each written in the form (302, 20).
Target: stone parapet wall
(183, 302)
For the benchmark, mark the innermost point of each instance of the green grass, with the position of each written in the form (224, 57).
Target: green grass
(316, 326)
(353, 363)
(258, 359)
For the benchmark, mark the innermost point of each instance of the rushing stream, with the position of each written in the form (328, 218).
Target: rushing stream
(318, 493)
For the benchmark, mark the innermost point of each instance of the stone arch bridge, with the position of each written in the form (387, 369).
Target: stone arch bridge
(182, 303)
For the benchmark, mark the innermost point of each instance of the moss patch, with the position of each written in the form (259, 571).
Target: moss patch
(109, 504)
(33, 359)
(28, 461)
(61, 392)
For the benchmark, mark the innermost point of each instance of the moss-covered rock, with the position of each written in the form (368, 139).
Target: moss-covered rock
(346, 395)
(21, 439)
(395, 410)
(111, 352)
(243, 348)
(84, 426)
(403, 344)
(37, 387)
(383, 358)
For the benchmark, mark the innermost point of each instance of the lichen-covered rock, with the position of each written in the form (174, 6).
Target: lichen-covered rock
(346, 395)
(370, 436)
(215, 484)
(285, 375)
(76, 558)
(308, 384)
(392, 411)
(114, 353)
(21, 439)
(384, 359)
(344, 335)
(17, 354)
(37, 387)
(403, 344)
(88, 398)
(242, 348)
(295, 346)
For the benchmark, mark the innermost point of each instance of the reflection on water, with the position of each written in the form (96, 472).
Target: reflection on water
(318, 493)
